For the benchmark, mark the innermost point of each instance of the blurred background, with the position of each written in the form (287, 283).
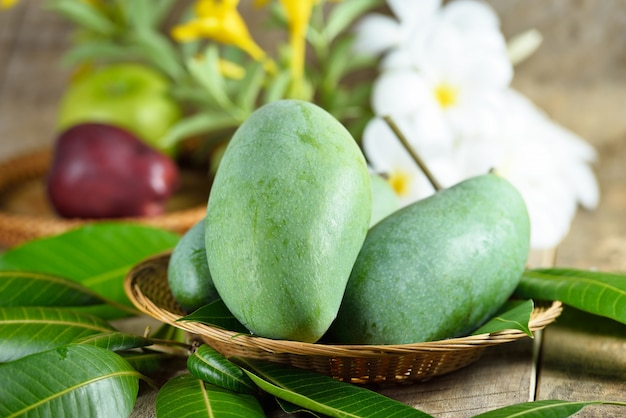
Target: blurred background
(576, 76)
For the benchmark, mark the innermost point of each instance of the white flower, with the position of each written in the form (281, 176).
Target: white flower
(444, 80)
(387, 156)
(377, 33)
(448, 74)
(402, 38)
(550, 166)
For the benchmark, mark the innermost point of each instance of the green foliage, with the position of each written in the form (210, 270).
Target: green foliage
(542, 409)
(96, 256)
(515, 314)
(208, 364)
(323, 394)
(58, 359)
(73, 380)
(188, 396)
(125, 31)
(598, 293)
(116, 341)
(23, 288)
(29, 330)
(216, 314)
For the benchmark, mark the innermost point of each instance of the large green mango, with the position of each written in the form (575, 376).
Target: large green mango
(437, 268)
(286, 217)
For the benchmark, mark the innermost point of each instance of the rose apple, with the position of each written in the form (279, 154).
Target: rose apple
(102, 171)
(127, 95)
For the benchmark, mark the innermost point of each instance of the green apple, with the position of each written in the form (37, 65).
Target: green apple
(131, 96)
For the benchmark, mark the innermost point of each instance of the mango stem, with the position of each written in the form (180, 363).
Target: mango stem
(405, 143)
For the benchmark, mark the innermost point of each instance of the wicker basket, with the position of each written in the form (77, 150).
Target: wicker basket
(16, 228)
(147, 287)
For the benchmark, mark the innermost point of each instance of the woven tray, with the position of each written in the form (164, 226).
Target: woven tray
(18, 226)
(147, 287)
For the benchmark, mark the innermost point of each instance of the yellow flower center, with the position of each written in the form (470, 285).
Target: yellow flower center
(446, 95)
(399, 181)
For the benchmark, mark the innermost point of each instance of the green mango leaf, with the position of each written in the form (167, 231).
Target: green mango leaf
(115, 341)
(541, 409)
(515, 314)
(602, 294)
(208, 364)
(28, 330)
(146, 362)
(321, 393)
(19, 288)
(169, 332)
(188, 396)
(75, 380)
(291, 408)
(216, 314)
(98, 256)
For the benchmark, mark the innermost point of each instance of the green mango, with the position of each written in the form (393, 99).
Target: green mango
(287, 214)
(188, 272)
(384, 199)
(437, 268)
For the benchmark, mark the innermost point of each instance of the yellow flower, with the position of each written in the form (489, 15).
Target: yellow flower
(298, 13)
(7, 4)
(219, 20)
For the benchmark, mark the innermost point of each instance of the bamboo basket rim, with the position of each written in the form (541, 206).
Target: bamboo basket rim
(16, 228)
(540, 318)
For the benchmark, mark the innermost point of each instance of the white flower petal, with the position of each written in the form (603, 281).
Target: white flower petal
(436, 51)
(586, 186)
(414, 12)
(488, 70)
(375, 34)
(386, 155)
(397, 59)
(399, 93)
(470, 15)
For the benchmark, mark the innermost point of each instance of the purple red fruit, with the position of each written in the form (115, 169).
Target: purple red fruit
(103, 171)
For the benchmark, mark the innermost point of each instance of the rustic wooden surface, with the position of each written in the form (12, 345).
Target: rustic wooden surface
(577, 77)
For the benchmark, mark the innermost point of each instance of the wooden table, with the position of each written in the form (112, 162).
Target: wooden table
(571, 360)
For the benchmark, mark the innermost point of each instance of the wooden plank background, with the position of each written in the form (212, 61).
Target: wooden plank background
(577, 76)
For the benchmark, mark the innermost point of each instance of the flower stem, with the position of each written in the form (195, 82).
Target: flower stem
(405, 143)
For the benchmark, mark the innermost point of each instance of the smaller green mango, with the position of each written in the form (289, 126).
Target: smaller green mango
(188, 271)
(437, 268)
(384, 199)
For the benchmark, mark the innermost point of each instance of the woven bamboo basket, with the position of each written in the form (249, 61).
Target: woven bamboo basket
(16, 227)
(147, 287)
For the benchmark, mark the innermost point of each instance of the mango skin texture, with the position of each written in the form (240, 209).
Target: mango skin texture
(437, 268)
(286, 217)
